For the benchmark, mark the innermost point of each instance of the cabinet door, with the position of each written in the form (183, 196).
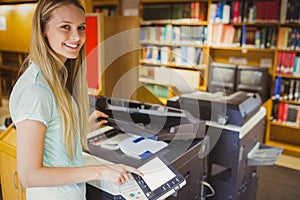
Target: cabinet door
(11, 186)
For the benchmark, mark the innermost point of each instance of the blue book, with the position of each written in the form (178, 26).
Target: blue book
(243, 41)
(219, 12)
(276, 95)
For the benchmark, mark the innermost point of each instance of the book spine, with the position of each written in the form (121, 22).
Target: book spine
(274, 111)
(297, 66)
(236, 7)
(197, 10)
(283, 11)
(279, 62)
(202, 11)
(296, 91)
(280, 112)
(263, 37)
(291, 89)
(213, 10)
(285, 112)
(287, 89)
(298, 117)
(243, 39)
(277, 86)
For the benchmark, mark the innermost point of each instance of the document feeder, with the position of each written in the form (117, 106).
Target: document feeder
(150, 120)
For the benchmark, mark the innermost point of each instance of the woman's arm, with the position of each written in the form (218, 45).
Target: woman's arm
(30, 150)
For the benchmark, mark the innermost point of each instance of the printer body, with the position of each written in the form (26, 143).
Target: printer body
(235, 109)
(184, 134)
(234, 124)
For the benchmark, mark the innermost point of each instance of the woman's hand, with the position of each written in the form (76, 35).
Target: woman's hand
(94, 124)
(117, 173)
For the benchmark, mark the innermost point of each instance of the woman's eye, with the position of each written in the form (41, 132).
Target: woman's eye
(65, 27)
(82, 28)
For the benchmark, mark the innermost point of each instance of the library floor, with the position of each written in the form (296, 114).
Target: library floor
(278, 182)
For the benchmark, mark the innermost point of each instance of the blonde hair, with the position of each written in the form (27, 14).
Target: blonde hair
(65, 79)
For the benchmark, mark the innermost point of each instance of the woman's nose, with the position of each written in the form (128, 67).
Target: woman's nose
(75, 36)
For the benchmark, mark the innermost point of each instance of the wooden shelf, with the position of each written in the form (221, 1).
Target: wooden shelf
(105, 2)
(285, 125)
(176, 22)
(290, 102)
(194, 68)
(288, 76)
(289, 149)
(288, 50)
(157, 43)
(266, 23)
(168, 1)
(242, 49)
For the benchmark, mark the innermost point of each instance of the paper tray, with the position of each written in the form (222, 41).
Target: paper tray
(263, 155)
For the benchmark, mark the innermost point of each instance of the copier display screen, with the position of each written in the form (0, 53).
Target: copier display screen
(156, 173)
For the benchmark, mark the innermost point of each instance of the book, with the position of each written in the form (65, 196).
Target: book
(276, 94)
(285, 111)
(297, 66)
(297, 90)
(280, 109)
(202, 11)
(268, 38)
(177, 11)
(236, 7)
(259, 11)
(274, 111)
(219, 12)
(245, 12)
(298, 117)
(263, 37)
(213, 11)
(157, 11)
(292, 114)
(283, 11)
(285, 88)
(243, 35)
(291, 89)
(257, 38)
(226, 14)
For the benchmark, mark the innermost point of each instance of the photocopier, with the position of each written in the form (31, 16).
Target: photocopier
(136, 134)
(235, 125)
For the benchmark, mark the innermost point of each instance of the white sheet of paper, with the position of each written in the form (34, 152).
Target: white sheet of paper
(156, 173)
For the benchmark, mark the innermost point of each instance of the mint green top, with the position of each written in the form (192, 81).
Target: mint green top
(32, 98)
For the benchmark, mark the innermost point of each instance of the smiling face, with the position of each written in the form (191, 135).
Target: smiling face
(65, 31)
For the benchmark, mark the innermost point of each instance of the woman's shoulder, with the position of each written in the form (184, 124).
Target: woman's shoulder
(32, 82)
(32, 78)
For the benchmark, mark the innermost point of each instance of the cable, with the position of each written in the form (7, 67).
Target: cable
(203, 194)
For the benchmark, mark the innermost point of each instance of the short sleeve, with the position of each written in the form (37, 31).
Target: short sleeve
(33, 102)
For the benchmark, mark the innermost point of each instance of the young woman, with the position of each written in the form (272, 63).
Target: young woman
(49, 106)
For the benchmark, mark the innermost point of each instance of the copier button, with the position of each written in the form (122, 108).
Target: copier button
(131, 195)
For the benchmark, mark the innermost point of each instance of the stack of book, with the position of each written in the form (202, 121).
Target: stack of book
(288, 63)
(170, 34)
(286, 89)
(196, 11)
(290, 11)
(182, 56)
(286, 113)
(244, 11)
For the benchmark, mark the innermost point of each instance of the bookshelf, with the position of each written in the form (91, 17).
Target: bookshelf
(107, 7)
(174, 53)
(245, 33)
(267, 40)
